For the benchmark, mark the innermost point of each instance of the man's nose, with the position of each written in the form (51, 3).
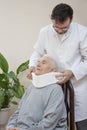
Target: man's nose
(38, 64)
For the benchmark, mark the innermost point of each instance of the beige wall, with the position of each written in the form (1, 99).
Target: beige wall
(20, 22)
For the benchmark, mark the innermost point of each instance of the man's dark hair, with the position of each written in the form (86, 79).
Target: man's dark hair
(61, 12)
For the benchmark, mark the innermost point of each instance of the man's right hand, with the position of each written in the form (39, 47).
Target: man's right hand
(29, 72)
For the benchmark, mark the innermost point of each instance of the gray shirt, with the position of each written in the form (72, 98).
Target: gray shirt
(41, 109)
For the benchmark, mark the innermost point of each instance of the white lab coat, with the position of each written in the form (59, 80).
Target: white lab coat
(70, 52)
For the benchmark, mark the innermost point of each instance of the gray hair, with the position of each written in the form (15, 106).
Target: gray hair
(53, 62)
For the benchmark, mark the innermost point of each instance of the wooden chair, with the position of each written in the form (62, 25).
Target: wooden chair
(69, 102)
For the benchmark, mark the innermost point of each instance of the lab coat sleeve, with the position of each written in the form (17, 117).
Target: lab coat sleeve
(80, 70)
(34, 58)
(39, 49)
(53, 112)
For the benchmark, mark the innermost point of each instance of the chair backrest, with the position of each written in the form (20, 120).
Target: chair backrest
(69, 102)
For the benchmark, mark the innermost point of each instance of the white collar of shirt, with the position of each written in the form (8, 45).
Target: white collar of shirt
(40, 81)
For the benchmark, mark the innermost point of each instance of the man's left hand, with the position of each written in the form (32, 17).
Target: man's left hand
(64, 76)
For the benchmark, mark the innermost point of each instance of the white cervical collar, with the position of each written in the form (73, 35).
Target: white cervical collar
(40, 81)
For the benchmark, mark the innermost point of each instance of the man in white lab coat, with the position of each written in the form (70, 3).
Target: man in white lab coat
(66, 42)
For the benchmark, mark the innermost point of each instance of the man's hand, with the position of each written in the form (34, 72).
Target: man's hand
(64, 76)
(15, 128)
(29, 72)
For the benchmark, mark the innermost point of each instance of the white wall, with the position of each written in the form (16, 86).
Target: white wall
(20, 22)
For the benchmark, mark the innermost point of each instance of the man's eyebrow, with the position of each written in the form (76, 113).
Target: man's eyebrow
(44, 61)
(38, 61)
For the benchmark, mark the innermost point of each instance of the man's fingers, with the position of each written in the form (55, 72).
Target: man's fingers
(62, 80)
(29, 72)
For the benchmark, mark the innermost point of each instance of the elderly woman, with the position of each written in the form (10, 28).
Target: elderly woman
(42, 106)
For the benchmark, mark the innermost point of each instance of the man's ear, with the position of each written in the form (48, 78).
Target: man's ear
(54, 70)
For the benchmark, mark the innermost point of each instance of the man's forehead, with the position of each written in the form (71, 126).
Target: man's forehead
(44, 58)
(66, 22)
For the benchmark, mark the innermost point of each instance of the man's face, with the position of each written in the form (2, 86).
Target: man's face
(61, 28)
(43, 66)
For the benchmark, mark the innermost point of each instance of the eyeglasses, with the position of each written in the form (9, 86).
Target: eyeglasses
(61, 28)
